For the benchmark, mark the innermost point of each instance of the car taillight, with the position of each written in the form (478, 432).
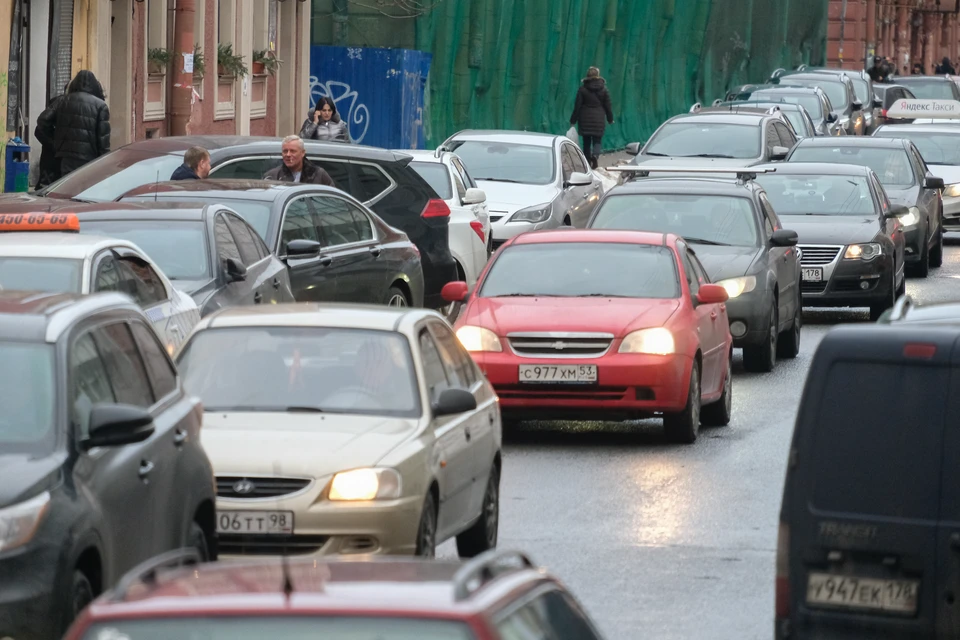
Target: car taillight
(477, 226)
(783, 572)
(919, 351)
(436, 209)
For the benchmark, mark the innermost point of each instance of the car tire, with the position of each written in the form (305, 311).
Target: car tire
(762, 358)
(902, 289)
(427, 531)
(395, 298)
(683, 427)
(788, 344)
(717, 414)
(482, 536)
(81, 594)
(198, 541)
(921, 268)
(936, 256)
(876, 310)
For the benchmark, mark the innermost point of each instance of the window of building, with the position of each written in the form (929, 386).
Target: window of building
(200, 46)
(155, 26)
(226, 35)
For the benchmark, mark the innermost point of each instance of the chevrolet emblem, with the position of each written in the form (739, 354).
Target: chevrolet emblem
(559, 345)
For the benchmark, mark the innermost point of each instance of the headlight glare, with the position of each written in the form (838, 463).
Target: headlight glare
(737, 286)
(656, 341)
(867, 251)
(538, 213)
(478, 339)
(952, 191)
(911, 218)
(365, 484)
(19, 522)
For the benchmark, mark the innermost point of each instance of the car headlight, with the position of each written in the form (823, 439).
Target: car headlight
(538, 213)
(657, 341)
(867, 251)
(19, 522)
(911, 218)
(952, 190)
(478, 339)
(365, 484)
(736, 286)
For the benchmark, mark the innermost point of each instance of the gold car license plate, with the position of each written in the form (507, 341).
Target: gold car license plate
(558, 373)
(810, 274)
(255, 522)
(895, 596)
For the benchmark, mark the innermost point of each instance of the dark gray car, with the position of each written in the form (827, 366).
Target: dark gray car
(864, 88)
(813, 99)
(798, 117)
(843, 96)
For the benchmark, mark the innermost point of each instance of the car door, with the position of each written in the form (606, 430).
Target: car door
(263, 274)
(311, 278)
(783, 262)
(929, 199)
(352, 245)
(233, 292)
(481, 210)
(452, 453)
(592, 192)
(707, 319)
(573, 198)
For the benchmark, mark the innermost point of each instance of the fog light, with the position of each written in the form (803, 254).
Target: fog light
(738, 329)
(865, 285)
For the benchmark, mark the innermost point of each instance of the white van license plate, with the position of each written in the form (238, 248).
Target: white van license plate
(812, 275)
(263, 522)
(897, 596)
(558, 373)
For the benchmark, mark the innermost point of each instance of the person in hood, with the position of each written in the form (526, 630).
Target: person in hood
(591, 111)
(82, 123)
(49, 166)
(196, 165)
(324, 123)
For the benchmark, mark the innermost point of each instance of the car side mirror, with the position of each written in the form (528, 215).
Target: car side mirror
(878, 104)
(113, 425)
(303, 248)
(454, 291)
(784, 238)
(578, 179)
(234, 270)
(474, 196)
(712, 294)
(454, 401)
(832, 117)
(633, 148)
(933, 182)
(857, 105)
(896, 211)
(779, 153)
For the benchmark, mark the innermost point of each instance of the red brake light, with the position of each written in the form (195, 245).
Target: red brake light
(783, 572)
(883, 112)
(477, 226)
(436, 209)
(920, 351)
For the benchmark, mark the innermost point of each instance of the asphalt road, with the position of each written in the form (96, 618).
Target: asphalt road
(667, 541)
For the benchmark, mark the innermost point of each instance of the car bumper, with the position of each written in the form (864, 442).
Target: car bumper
(851, 283)
(951, 213)
(628, 386)
(30, 608)
(503, 231)
(749, 316)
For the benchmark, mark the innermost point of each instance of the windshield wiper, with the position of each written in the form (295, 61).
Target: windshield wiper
(654, 153)
(710, 242)
(501, 180)
(529, 295)
(299, 409)
(240, 408)
(708, 155)
(601, 295)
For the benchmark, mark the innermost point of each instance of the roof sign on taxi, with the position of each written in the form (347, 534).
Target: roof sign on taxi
(39, 222)
(946, 109)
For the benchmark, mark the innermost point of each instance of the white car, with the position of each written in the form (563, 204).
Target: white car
(533, 181)
(61, 261)
(470, 240)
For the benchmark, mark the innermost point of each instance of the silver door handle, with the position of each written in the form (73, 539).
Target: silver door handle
(145, 468)
(180, 436)
(467, 433)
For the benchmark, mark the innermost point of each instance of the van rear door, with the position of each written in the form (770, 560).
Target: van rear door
(948, 540)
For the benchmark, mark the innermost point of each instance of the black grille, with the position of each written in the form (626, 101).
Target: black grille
(572, 346)
(854, 285)
(269, 545)
(814, 256)
(813, 287)
(261, 487)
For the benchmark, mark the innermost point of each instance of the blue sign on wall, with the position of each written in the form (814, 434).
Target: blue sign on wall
(379, 93)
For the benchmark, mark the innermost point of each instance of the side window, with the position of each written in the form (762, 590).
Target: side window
(770, 221)
(298, 223)
(160, 370)
(773, 138)
(458, 181)
(526, 623)
(787, 139)
(433, 371)
(881, 194)
(701, 273)
(565, 617)
(339, 222)
(226, 246)
(566, 161)
(368, 182)
(456, 361)
(689, 272)
(244, 236)
(89, 381)
(126, 370)
(464, 174)
(147, 286)
(919, 161)
(579, 163)
(107, 274)
(338, 170)
(248, 169)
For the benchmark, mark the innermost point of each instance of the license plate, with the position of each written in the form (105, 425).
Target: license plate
(812, 275)
(262, 522)
(558, 373)
(897, 596)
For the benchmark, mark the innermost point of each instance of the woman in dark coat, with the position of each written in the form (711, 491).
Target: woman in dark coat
(324, 123)
(82, 123)
(591, 112)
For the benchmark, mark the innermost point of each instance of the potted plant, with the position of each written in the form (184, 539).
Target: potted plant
(198, 67)
(157, 61)
(265, 63)
(228, 64)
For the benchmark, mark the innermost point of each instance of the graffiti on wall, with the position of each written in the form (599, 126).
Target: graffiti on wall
(356, 114)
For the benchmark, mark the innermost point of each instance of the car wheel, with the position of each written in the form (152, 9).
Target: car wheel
(198, 541)
(936, 256)
(482, 536)
(81, 593)
(921, 269)
(788, 344)
(762, 358)
(396, 298)
(902, 289)
(683, 427)
(717, 414)
(427, 531)
(876, 310)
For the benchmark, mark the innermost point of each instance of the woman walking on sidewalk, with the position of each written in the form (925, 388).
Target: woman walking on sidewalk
(591, 111)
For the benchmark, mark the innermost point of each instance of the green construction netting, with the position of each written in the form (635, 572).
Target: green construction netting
(516, 64)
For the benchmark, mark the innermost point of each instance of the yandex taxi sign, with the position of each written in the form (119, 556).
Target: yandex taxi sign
(924, 109)
(39, 222)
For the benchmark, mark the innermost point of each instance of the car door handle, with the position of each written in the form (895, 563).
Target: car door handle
(376, 251)
(145, 468)
(466, 432)
(713, 315)
(257, 297)
(179, 437)
(276, 283)
(326, 260)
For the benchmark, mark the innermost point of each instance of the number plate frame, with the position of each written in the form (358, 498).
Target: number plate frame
(558, 373)
(890, 596)
(811, 272)
(250, 522)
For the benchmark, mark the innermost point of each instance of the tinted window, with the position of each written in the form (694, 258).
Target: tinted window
(255, 212)
(565, 617)
(724, 219)
(583, 269)
(368, 182)
(298, 223)
(835, 90)
(506, 161)
(163, 378)
(932, 89)
(125, 368)
(339, 222)
(773, 137)
(787, 138)
(110, 176)
(246, 242)
(691, 139)
(456, 361)
(339, 172)
(247, 169)
(148, 289)
(818, 194)
(89, 380)
(437, 176)
(177, 247)
(891, 165)
(869, 452)
(28, 393)
(41, 274)
(226, 246)
(936, 148)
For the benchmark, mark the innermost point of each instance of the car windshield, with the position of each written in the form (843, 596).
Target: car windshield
(891, 165)
(835, 90)
(506, 161)
(41, 274)
(28, 398)
(436, 175)
(112, 175)
(935, 148)
(288, 627)
(583, 269)
(333, 370)
(809, 102)
(932, 89)
(818, 194)
(691, 139)
(708, 218)
(178, 247)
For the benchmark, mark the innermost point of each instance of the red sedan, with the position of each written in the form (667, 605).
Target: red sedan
(601, 325)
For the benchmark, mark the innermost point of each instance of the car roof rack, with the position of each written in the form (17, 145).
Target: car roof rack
(777, 73)
(482, 568)
(900, 307)
(439, 151)
(147, 571)
(717, 103)
(802, 67)
(695, 108)
(743, 174)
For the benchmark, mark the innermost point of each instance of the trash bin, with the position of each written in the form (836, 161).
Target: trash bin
(17, 166)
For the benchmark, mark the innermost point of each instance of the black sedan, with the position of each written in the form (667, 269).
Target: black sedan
(337, 250)
(906, 180)
(851, 239)
(740, 243)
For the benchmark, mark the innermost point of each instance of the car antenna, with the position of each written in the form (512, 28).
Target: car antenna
(284, 560)
(156, 186)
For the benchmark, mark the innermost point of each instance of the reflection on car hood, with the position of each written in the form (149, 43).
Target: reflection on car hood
(950, 173)
(720, 163)
(23, 476)
(510, 197)
(618, 316)
(29, 203)
(907, 197)
(725, 262)
(299, 444)
(832, 229)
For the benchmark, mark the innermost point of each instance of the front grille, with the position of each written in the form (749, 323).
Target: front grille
(814, 255)
(242, 487)
(813, 287)
(269, 545)
(854, 285)
(558, 392)
(560, 345)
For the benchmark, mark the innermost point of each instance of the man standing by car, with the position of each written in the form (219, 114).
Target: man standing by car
(196, 165)
(296, 167)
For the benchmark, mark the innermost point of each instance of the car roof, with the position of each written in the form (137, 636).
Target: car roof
(911, 79)
(724, 117)
(562, 235)
(950, 129)
(852, 141)
(265, 190)
(505, 136)
(56, 244)
(312, 314)
(780, 104)
(43, 317)
(805, 75)
(260, 145)
(687, 184)
(907, 311)
(425, 155)
(816, 168)
(150, 210)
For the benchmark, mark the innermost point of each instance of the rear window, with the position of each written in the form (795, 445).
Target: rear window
(436, 175)
(112, 175)
(178, 247)
(932, 89)
(876, 446)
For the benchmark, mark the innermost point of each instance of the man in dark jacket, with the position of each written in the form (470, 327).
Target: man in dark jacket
(196, 165)
(49, 166)
(591, 107)
(82, 123)
(296, 167)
